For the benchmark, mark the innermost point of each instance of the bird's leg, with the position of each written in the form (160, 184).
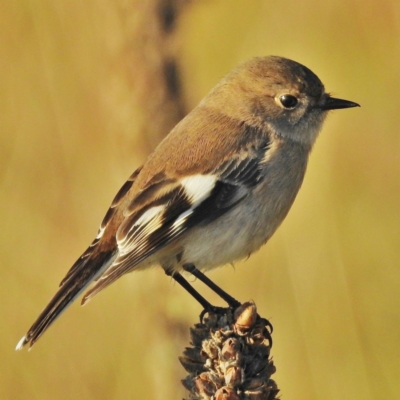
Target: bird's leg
(208, 282)
(186, 285)
(208, 307)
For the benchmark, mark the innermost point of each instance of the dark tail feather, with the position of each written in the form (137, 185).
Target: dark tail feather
(77, 282)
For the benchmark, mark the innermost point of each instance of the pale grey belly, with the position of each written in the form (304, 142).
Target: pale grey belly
(237, 234)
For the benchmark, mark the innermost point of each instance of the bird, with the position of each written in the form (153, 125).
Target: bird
(213, 191)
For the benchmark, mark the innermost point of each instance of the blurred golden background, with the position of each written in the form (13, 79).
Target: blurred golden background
(80, 107)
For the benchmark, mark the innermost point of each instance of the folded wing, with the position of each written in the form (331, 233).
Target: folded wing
(162, 218)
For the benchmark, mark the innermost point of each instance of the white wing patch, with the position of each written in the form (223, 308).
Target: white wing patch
(198, 187)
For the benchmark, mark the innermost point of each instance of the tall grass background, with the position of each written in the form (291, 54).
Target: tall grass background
(74, 125)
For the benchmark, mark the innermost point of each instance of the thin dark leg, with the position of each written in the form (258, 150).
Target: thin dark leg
(208, 282)
(193, 292)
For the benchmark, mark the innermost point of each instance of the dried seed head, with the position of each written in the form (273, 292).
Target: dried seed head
(229, 357)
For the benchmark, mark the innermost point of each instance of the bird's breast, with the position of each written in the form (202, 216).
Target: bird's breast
(249, 225)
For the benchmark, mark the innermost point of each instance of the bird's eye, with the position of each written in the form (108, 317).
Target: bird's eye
(288, 101)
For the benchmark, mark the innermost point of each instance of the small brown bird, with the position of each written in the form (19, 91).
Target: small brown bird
(214, 190)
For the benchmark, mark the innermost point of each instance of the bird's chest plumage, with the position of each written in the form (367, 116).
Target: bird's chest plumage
(256, 218)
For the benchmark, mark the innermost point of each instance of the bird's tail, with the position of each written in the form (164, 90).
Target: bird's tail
(83, 275)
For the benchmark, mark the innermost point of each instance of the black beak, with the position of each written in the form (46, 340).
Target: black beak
(331, 103)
